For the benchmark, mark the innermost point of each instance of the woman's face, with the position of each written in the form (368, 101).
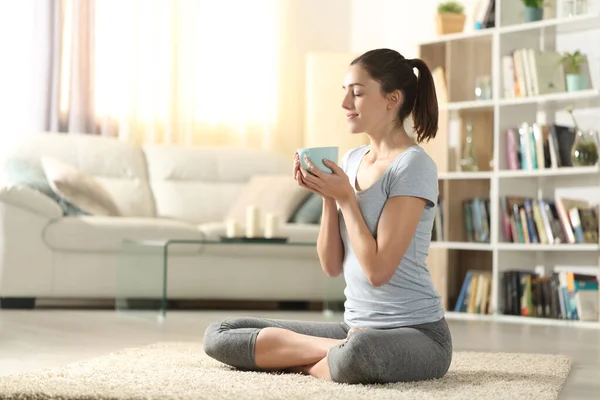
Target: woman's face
(367, 108)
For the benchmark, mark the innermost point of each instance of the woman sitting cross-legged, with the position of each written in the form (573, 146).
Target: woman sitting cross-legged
(378, 212)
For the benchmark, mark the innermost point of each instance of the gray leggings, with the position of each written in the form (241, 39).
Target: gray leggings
(404, 354)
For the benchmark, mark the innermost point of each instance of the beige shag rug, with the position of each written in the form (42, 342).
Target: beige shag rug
(178, 371)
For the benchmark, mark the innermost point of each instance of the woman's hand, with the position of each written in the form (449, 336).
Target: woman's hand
(299, 177)
(334, 185)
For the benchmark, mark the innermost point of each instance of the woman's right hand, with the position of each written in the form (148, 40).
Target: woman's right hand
(297, 173)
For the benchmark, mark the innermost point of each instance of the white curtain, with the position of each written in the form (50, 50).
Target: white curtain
(196, 72)
(71, 67)
(187, 71)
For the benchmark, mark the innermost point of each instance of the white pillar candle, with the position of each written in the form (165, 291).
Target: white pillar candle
(271, 225)
(234, 228)
(252, 221)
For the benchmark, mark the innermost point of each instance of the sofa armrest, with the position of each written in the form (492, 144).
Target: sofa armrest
(31, 200)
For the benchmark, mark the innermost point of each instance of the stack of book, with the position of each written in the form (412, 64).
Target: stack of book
(476, 217)
(562, 220)
(475, 293)
(529, 72)
(533, 146)
(564, 295)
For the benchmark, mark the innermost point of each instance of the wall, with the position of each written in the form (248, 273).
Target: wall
(397, 24)
(311, 25)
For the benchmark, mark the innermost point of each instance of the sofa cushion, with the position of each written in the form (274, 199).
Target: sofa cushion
(119, 166)
(201, 184)
(24, 174)
(99, 233)
(310, 211)
(279, 194)
(79, 188)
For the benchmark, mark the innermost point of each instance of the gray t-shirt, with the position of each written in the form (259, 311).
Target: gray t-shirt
(409, 298)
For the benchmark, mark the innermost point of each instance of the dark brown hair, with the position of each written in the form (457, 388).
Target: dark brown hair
(394, 72)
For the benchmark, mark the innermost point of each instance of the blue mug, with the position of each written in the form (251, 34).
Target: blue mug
(316, 156)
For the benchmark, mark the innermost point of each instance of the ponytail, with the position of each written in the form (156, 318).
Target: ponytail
(425, 110)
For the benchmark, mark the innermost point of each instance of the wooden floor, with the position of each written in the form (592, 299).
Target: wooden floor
(35, 339)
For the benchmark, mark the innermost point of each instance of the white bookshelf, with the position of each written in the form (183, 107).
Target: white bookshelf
(464, 56)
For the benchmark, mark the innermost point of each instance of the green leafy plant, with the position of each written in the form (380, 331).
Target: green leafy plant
(534, 3)
(573, 62)
(450, 7)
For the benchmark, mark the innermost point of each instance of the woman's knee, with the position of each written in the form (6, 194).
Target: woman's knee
(231, 342)
(211, 341)
(213, 335)
(350, 362)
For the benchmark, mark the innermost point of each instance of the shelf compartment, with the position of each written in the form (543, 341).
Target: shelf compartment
(467, 105)
(461, 246)
(582, 98)
(559, 25)
(465, 175)
(515, 319)
(549, 172)
(548, 247)
(483, 34)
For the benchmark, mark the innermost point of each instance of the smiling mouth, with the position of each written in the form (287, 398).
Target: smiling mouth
(351, 115)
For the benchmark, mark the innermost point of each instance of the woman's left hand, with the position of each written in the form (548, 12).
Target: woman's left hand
(335, 185)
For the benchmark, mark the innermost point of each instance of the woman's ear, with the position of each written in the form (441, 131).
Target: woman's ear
(395, 99)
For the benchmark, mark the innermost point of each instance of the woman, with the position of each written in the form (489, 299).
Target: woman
(378, 213)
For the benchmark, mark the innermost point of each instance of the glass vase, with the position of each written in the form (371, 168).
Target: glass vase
(468, 161)
(584, 152)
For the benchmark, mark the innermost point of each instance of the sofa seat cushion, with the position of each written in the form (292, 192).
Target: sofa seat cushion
(100, 233)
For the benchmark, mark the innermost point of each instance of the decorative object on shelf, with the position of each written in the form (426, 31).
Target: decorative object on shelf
(573, 63)
(450, 18)
(468, 161)
(572, 8)
(585, 149)
(584, 152)
(534, 10)
(483, 87)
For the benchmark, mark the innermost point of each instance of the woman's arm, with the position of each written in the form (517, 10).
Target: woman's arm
(413, 185)
(330, 247)
(329, 244)
(398, 223)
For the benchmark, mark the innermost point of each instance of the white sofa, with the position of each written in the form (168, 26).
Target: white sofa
(163, 192)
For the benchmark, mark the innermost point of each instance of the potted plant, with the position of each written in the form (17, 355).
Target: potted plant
(534, 10)
(450, 18)
(572, 63)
